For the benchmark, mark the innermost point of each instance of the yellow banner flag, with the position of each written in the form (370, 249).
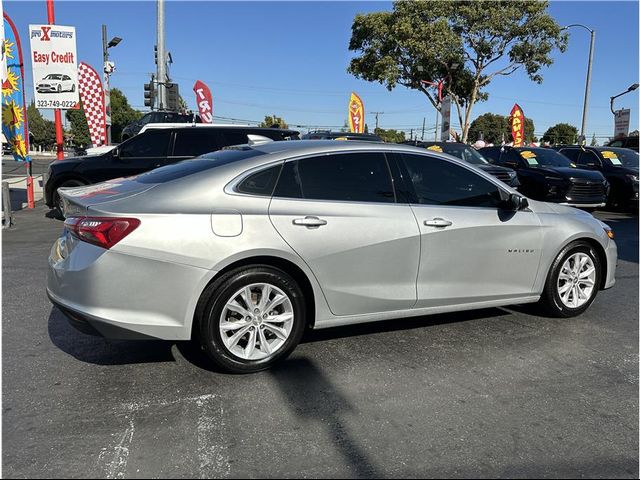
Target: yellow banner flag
(356, 114)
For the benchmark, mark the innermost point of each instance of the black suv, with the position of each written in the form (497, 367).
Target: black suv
(158, 117)
(470, 155)
(618, 165)
(367, 137)
(624, 142)
(151, 149)
(548, 176)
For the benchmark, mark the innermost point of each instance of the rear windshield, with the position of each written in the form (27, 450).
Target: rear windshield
(196, 165)
(536, 157)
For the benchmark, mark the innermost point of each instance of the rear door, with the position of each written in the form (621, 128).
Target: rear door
(471, 249)
(339, 213)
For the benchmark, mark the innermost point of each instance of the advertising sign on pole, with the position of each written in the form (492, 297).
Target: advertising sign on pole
(445, 111)
(55, 67)
(622, 123)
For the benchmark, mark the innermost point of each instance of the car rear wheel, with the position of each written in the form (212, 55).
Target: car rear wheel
(250, 318)
(572, 282)
(59, 88)
(57, 200)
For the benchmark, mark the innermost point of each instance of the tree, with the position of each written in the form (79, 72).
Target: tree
(122, 114)
(366, 128)
(390, 135)
(41, 131)
(495, 127)
(467, 43)
(594, 142)
(561, 133)
(271, 121)
(79, 128)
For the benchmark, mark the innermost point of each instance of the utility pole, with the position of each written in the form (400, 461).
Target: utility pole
(376, 114)
(107, 68)
(435, 135)
(161, 60)
(423, 120)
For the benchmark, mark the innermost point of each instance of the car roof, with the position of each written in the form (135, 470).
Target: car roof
(154, 126)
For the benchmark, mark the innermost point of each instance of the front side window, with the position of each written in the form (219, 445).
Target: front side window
(438, 182)
(587, 157)
(194, 142)
(352, 177)
(152, 143)
(573, 154)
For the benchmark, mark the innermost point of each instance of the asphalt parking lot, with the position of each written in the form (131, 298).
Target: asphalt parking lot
(488, 393)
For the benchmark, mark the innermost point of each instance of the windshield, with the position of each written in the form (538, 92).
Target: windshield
(53, 77)
(619, 157)
(545, 157)
(463, 152)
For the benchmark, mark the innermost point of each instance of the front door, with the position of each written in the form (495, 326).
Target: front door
(472, 250)
(142, 153)
(339, 213)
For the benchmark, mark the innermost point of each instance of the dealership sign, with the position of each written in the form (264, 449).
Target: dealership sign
(55, 68)
(622, 123)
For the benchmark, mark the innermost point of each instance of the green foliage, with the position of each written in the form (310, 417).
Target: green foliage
(493, 127)
(273, 121)
(390, 135)
(594, 142)
(467, 42)
(78, 125)
(42, 131)
(561, 133)
(122, 114)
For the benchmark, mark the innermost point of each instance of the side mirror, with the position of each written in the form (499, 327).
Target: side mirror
(513, 165)
(515, 202)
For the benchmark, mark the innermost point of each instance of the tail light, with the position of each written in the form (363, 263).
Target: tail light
(104, 232)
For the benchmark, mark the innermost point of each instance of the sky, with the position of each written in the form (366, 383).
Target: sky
(291, 58)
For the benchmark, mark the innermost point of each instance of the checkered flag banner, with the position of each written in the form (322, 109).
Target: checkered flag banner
(92, 96)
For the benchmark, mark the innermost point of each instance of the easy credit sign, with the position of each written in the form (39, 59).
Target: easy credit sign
(55, 66)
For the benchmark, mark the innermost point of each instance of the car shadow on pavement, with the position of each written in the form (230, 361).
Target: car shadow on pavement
(312, 396)
(401, 324)
(102, 351)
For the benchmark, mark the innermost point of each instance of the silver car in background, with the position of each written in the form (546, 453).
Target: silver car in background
(243, 249)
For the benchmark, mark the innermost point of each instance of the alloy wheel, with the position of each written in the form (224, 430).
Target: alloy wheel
(576, 280)
(256, 321)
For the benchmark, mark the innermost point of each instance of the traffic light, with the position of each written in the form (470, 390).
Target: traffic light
(149, 94)
(173, 97)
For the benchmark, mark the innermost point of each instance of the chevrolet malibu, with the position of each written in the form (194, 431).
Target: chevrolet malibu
(242, 250)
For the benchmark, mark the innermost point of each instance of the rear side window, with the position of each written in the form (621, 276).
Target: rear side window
(438, 182)
(153, 143)
(194, 142)
(229, 138)
(353, 177)
(571, 153)
(260, 183)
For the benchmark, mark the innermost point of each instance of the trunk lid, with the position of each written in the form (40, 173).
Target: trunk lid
(87, 199)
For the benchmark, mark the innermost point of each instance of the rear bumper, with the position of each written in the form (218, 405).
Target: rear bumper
(118, 295)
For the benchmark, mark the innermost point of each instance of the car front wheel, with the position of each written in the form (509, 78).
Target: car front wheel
(572, 282)
(250, 318)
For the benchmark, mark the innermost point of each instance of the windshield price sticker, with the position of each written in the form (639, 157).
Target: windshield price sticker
(612, 157)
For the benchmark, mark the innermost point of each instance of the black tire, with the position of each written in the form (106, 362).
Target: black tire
(57, 201)
(73, 87)
(209, 310)
(550, 301)
(59, 88)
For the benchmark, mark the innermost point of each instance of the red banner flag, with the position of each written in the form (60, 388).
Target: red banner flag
(517, 125)
(204, 101)
(356, 114)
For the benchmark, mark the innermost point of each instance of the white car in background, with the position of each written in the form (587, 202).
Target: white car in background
(56, 83)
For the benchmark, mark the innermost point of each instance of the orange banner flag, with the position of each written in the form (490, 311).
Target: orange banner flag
(517, 125)
(356, 114)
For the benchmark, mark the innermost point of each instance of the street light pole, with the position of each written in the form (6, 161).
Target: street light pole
(106, 69)
(630, 89)
(161, 70)
(587, 87)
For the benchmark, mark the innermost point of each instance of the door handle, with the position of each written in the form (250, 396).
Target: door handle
(309, 221)
(438, 222)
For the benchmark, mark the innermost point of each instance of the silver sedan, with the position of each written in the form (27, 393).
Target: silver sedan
(244, 249)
